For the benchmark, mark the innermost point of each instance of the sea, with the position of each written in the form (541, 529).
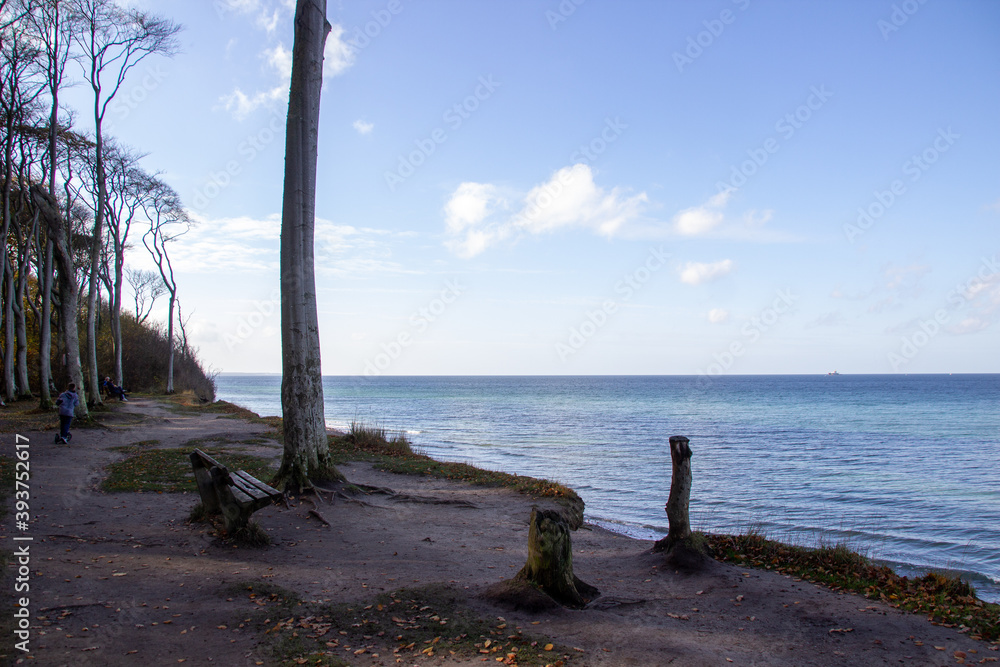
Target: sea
(903, 468)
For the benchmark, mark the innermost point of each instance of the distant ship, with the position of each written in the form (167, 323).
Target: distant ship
(833, 373)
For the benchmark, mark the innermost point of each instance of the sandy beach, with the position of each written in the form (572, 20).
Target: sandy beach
(125, 579)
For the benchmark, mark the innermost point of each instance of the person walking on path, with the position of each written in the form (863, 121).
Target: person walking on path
(67, 403)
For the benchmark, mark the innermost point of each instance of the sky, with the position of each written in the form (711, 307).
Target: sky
(593, 187)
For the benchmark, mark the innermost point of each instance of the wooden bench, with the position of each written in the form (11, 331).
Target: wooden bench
(235, 495)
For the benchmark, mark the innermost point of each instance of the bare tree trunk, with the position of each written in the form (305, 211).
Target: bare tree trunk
(95, 260)
(684, 550)
(306, 454)
(9, 389)
(21, 324)
(6, 272)
(45, 332)
(170, 340)
(680, 491)
(20, 316)
(67, 288)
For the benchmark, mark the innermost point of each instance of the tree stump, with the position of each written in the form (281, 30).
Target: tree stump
(680, 495)
(550, 561)
(685, 551)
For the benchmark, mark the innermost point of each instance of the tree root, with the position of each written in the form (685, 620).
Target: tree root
(319, 516)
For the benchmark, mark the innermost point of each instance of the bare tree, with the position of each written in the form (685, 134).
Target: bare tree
(52, 25)
(19, 90)
(112, 41)
(147, 287)
(128, 189)
(66, 287)
(168, 221)
(306, 451)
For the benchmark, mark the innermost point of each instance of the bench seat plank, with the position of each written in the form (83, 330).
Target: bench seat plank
(252, 485)
(234, 494)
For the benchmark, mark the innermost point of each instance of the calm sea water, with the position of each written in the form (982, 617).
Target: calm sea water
(903, 468)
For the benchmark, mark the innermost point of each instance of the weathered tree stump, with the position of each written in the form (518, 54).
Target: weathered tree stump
(683, 549)
(549, 569)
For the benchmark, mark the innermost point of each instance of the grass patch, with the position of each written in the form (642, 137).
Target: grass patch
(394, 454)
(218, 440)
(169, 470)
(407, 624)
(24, 415)
(947, 601)
(252, 535)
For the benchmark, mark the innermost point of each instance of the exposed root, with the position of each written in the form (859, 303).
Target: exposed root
(319, 516)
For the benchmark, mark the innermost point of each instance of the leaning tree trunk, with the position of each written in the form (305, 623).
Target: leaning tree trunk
(306, 454)
(9, 353)
(170, 341)
(66, 286)
(21, 319)
(45, 332)
(550, 561)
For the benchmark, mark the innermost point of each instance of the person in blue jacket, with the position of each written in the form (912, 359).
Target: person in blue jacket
(67, 402)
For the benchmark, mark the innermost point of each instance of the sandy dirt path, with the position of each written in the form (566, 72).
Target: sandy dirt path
(123, 579)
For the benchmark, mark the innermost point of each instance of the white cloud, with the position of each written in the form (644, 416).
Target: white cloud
(983, 296)
(363, 127)
(245, 244)
(756, 219)
(338, 55)
(469, 205)
(241, 105)
(699, 220)
(269, 23)
(570, 198)
(696, 273)
(280, 60)
(718, 315)
(266, 14)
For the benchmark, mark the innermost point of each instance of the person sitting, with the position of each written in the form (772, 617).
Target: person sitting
(113, 390)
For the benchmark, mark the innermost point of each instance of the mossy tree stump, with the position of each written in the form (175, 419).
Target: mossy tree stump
(550, 561)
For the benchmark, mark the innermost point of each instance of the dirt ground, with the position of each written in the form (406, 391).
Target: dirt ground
(125, 580)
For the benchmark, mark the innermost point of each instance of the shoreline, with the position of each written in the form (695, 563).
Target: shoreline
(582, 434)
(436, 532)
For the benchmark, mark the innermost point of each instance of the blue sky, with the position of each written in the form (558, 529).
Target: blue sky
(590, 187)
